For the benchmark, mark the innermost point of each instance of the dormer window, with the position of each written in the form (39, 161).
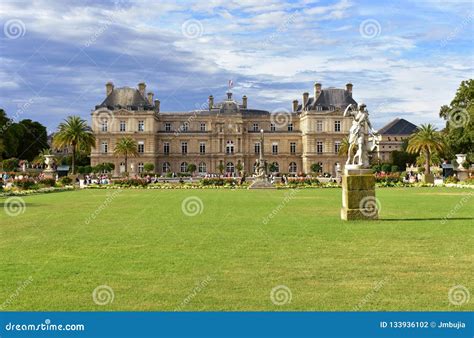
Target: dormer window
(255, 127)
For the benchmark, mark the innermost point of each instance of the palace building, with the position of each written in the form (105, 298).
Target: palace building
(225, 135)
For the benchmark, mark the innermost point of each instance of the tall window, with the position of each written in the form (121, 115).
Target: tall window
(229, 167)
(123, 126)
(140, 167)
(337, 146)
(255, 127)
(184, 148)
(104, 147)
(290, 126)
(166, 167)
(141, 125)
(104, 125)
(337, 126)
(202, 148)
(293, 147)
(141, 147)
(319, 125)
(184, 167)
(257, 147)
(167, 126)
(275, 148)
(319, 147)
(292, 167)
(185, 126)
(166, 148)
(203, 126)
(202, 168)
(272, 127)
(229, 148)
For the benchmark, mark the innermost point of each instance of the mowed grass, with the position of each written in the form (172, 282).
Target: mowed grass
(155, 257)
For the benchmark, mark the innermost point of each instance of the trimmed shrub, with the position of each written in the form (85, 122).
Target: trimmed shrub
(386, 167)
(25, 184)
(394, 169)
(65, 180)
(10, 164)
(47, 182)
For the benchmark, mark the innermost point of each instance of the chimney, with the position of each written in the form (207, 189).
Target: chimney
(317, 90)
(244, 101)
(150, 97)
(211, 101)
(295, 105)
(157, 105)
(305, 99)
(349, 88)
(109, 88)
(141, 88)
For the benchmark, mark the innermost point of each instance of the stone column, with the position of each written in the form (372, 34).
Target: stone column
(358, 195)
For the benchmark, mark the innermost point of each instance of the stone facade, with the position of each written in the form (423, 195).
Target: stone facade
(224, 134)
(391, 138)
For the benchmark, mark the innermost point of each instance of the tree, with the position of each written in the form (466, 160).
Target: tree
(239, 167)
(426, 141)
(126, 147)
(40, 159)
(315, 168)
(191, 168)
(344, 147)
(459, 116)
(272, 167)
(221, 168)
(75, 133)
(149, 167)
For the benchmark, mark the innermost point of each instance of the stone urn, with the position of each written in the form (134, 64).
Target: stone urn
(49, 171)
(460, 159)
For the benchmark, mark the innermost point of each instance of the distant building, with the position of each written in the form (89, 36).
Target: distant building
(222, 135)
(392, 137)
(58, 152)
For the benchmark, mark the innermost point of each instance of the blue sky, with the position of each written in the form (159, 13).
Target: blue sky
(404, 58)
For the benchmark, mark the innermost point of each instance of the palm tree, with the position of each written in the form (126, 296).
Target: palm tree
(75, 133)
(344, 147)
(427, 141)
(126, 147)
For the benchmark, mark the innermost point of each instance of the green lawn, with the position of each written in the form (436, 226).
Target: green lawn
(154, 257)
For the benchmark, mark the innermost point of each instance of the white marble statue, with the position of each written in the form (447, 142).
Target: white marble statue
(359, 136)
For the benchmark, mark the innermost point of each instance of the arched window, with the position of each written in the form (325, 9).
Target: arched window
(292, 167)
(202, 168)
(229, 148)
(275, 167)
(184, 167)
(166, 167)
(122, 167)
(230, 167)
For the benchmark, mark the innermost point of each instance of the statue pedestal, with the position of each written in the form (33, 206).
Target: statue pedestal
(261, 183)
(358, 194)
(428, 178)
(49, 173)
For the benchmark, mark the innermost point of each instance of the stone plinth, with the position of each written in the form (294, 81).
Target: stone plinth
(261, 183)
(428, 178)
(358, 195)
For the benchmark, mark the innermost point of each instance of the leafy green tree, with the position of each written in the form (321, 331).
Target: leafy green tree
(459, 116)
(221, 168)
(75, 133)
(315, 168)
(426, 141)
(126, 147)
(191, 168)
(149, 167)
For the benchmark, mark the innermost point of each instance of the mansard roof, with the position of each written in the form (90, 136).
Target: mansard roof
(330, 97)
(126, 97)
(398, 127)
